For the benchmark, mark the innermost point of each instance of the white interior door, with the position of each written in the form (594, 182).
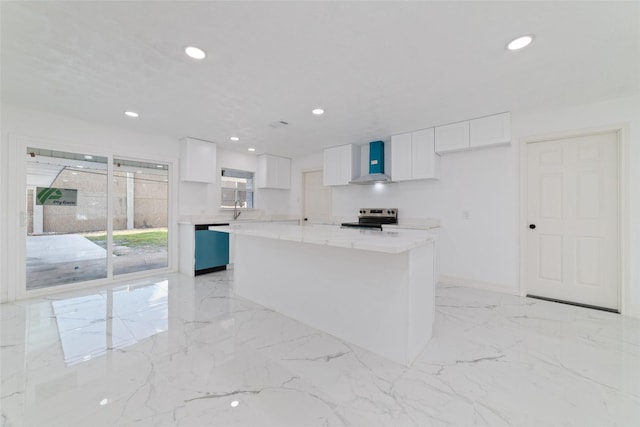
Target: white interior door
(572, 240)
(317, 199)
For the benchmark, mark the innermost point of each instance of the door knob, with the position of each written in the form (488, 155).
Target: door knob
(532, 226)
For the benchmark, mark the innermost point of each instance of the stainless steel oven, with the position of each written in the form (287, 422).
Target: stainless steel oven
(373, 218)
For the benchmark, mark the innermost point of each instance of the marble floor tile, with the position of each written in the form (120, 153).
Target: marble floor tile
(180, 351)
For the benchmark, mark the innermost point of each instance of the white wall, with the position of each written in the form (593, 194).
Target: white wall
(90, 138)
(612, 112)
(482, 183)
(485, 184)
(73, 135)
(204, 199)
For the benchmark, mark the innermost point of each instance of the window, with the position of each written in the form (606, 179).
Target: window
(236, 186)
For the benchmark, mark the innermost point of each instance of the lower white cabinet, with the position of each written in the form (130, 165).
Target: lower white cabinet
(453, 137)
(341, 164)
(273, 172)
(413, 156)
(490, 130)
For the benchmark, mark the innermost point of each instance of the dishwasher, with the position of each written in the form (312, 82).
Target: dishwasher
(211, 249)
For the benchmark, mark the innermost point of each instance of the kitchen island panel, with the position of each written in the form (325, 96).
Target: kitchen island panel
(363, 297)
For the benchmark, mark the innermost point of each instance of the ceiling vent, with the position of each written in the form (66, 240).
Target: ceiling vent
(278, 124)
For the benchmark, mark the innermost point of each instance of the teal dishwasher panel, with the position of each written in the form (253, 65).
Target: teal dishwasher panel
(212, 249)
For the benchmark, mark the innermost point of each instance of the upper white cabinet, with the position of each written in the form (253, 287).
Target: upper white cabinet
(491, 130)
(413, 156)
(341, 164)
(273, 172)
(197, 160)
(401, 153)
(453, 137)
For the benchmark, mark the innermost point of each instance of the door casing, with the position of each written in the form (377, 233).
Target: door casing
(18, 144)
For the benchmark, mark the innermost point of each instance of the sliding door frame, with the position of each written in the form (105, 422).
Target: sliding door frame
(17, 216)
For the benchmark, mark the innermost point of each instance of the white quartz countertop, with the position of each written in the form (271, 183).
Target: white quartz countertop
(394, 242)
(247, 218)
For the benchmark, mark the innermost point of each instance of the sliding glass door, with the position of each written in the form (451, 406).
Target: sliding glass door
(140, 212)
(66, 202)
(68, 238)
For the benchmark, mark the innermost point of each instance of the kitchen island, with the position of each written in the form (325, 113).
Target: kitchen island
(371, 288)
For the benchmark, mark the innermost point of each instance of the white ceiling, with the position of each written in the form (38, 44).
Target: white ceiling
(377, 68)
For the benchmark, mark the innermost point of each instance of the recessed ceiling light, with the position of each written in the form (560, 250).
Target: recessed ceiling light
(131, 114)
(520, 42)
(318, 111)
(74, 173)
(79, 166)
(251, 149)
(159, 166)
(234, 138)
(88, 157)
(234, 404)
(195, 53)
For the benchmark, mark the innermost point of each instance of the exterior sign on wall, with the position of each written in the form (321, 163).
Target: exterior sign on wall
(56, 196)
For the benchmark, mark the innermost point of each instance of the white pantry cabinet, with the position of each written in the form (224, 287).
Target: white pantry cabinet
(197, 160)
(413, 156)
(341, 164)
(453, 137)
(273, 172)
(491, 130)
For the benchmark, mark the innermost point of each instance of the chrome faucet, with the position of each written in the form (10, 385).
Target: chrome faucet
(236, 212)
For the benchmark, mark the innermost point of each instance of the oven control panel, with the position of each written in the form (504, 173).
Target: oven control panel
(378, 213)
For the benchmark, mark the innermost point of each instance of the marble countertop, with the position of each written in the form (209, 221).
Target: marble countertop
(247, 218)
(415, 224)
(394, 242)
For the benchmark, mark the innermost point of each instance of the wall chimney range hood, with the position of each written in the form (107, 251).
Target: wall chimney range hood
(376, 166)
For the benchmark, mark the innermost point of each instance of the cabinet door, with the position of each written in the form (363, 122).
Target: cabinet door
(273, 172)
(283, 169)
(491, 130)
(197, 161)
(330, 167)
(341, 164)
(453, 137)
(424, 160)
(401, 163)
(261, 174)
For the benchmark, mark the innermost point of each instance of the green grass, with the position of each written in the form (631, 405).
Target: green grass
(133, 240)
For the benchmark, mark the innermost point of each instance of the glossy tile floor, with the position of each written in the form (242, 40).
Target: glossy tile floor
(177, 351)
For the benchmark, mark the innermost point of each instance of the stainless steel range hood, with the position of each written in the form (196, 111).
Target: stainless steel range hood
(376, 166)
(372, 178)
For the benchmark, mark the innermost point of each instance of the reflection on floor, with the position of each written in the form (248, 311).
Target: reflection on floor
(182, 351)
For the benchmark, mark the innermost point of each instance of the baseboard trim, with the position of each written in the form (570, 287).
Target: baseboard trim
(477, 284)
(631, 312)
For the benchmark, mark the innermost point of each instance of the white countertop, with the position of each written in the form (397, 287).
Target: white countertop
(394, 242)
(414, 224)
(248, 217)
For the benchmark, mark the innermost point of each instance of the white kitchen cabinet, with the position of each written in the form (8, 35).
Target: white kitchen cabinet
(491, 130)
(401, 152)
(453, 137)
(197, 160)
(341, 164)
(273, 172)
(413, 156)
